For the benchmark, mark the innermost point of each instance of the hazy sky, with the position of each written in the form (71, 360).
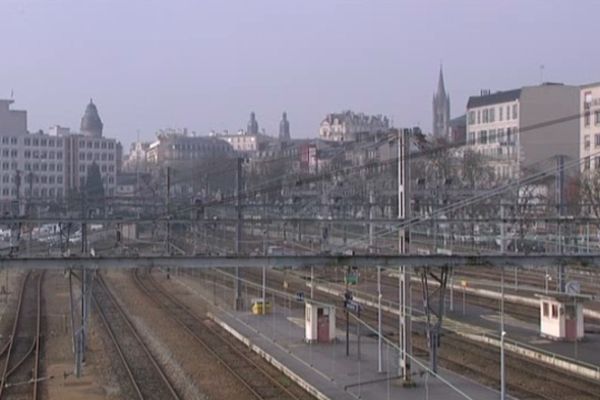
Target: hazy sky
(205, 65)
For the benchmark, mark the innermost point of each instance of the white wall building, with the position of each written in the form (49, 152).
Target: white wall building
(345, 126)
(590, 126)
(522, 128)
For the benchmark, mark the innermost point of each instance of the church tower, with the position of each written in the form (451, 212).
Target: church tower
(441, 109)
(252, 125)
(284, 128)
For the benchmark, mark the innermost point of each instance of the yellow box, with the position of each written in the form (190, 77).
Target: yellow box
(257, 307)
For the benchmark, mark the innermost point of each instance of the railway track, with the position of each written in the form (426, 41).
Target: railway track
(147, 378)
(245, 365)
(20, 372)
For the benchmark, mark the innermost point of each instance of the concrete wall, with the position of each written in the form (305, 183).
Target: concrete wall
(544, 105)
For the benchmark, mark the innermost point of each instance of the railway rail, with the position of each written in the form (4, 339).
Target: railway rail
(20, 372)
(147, 378)
(239, 360)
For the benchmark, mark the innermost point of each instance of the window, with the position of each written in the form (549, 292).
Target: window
(43, 155)
(111, 168)
(59, 167)
(51, 192)
(484, 116)
(51, 179)
(14, 153)
(500, 135)
(89, 145)
(51, 155)
(597, 140)
(554, 311)
(586, 164)
(44, 167)
(59, 179)
(508, 135)
(5, 191)
(5, 140)
(51, 167)
(13, 166)
(515, 111)
(111, 145)
(44, 179)
(27, 142)
(59, 142)
(27, 167)
(51, 142)
(36, 142)
(586, 142)
(478, 116)
(103, 156)
(507, 112)
(103, 168)
(111, 157)
(13, 140)
(96, 145)
(89, 156)
(43, 142)
(104, 145)
(500, 113)
(597, 162)
(59, 155)
(482, 137)
(5, 166)
(597, 117)
(36, 166)
(492, 117)
(4, 152)
(492, 136)
(586, 118)
(5, 178)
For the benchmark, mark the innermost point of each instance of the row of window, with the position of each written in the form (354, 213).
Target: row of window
(586, 141)
(13, 153)
(103, 168)
(7, 140)
(492, 136)
(44, 142)
(96, 156)
(43, 154)
(43, 167)
(587, 118)
(201, 147)
(97, 144)
(487, 115)
(587, 163)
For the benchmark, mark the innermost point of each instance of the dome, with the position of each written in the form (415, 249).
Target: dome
(91, 124)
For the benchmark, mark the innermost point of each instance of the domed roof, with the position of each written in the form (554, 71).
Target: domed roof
(91, 124)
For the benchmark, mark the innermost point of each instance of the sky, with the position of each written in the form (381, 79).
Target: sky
(206, 64)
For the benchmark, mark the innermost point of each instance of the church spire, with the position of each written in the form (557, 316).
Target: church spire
(441, 88)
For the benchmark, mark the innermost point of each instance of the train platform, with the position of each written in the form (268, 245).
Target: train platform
(324, 368)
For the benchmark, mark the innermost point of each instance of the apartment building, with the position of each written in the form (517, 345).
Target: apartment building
(524, 128)
(347, 125)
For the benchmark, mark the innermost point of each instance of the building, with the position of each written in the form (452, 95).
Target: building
(524, 128)
(347, 125)
(458, 129)
(441, 109)
(12, 122)
(284, 128)
(176, 146)
(589, 108)
(244, 142)
(45, 167)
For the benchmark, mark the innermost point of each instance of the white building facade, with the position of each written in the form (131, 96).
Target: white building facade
(524, 128)
(345, 126)
(590, 127)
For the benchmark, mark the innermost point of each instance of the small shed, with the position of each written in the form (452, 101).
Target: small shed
(561, 316)
(319, 322)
